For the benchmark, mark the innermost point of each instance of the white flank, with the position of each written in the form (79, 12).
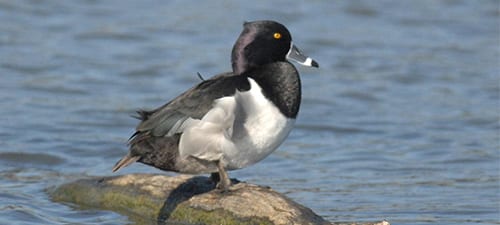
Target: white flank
(239, 130)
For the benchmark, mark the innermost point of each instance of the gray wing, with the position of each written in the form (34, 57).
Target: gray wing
(194, 103)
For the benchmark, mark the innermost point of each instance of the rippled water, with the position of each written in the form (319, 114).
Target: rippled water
(401, 122)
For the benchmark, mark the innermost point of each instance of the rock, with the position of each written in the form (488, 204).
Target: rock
(151, 199)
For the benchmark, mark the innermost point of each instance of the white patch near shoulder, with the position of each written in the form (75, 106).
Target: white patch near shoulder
(239, 130)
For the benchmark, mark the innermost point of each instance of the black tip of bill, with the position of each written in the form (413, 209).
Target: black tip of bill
(314, 64)
(310, 62)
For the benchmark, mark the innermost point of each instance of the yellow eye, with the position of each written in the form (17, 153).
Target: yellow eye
(277, 35)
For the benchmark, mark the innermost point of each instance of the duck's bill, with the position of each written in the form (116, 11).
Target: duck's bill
(296, 55)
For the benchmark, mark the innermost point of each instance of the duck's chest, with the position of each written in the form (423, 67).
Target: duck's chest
(258, 129)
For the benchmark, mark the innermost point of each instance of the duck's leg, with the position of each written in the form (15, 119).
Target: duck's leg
(224, 181)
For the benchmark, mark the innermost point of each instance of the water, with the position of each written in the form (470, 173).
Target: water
(401, 121)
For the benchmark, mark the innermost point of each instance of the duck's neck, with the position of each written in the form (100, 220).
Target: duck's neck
(280, 83)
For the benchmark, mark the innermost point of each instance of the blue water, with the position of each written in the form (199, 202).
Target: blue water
(401, 121)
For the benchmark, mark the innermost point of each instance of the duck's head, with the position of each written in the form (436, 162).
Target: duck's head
(263, 42)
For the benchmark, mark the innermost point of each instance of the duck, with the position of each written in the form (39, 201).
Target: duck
(231, 120)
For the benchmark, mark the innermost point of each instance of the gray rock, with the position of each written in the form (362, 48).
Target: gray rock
(159, 199)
